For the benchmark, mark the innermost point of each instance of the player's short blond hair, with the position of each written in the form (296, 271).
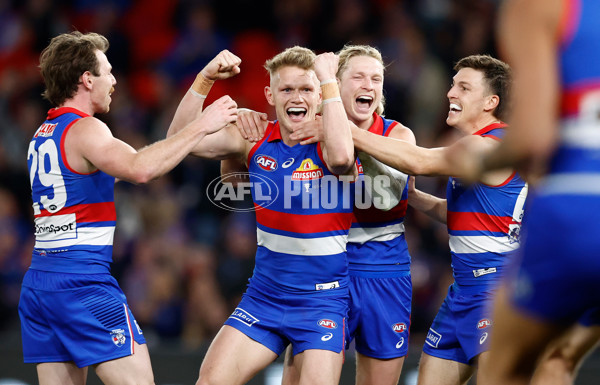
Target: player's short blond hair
(292, 57)
(348, 52)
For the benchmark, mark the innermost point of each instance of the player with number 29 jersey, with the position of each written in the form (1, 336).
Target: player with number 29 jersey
(74, 213)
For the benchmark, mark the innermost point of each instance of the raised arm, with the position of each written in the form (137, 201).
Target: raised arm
(338, 149)
(222, 66)
(90, 145)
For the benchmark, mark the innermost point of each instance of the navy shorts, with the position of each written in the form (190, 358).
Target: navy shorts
(461, 329)
(379, 315)
(82, 318)
(307, 321)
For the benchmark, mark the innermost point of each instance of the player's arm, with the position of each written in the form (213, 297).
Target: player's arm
(222, 66)
(533, 133)
(434, 207)
(396, 180)
(90, 145)
(401, 155)
(338, 149)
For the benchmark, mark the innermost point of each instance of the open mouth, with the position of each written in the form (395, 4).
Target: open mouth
(364, 102)
(296, 114)
(454, 108)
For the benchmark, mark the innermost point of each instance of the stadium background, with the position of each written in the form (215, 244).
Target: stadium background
(182, 262)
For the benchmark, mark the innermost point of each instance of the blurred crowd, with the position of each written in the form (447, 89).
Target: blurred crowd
(183, 262)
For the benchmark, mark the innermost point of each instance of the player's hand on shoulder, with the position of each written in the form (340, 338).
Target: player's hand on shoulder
(251, 124)
(326, 66)
(222, 66)
(220, 113)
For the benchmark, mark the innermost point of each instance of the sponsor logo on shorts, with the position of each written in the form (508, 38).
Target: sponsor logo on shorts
(327, 337)
(243, 316)
(433, 338)
(327, 285)
(484, 337)
(480, 272)
(484, 323)
(399, 327)
(137, 327)
(327, 323)
(266, 162)
(118, 337)
(400, 343)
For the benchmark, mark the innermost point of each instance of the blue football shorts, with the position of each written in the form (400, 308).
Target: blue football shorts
(557, 269)
(461, 329)
(313, 320)
(82, 318)
(379, 315)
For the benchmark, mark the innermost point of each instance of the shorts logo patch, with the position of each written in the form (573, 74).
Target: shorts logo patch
(118, 337)
(400, 343)
(484, 323)
(484, 337)
(433, 338)
(327, 337)
(243, 316)
(138, 327)
(399, 327)
(327, 323)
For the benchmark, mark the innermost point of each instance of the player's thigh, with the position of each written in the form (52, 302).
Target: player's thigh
(61, 373)
(440, 371)
(233, 358)
(319, 367)
(518, 341)
(132, 369)
(375, 371)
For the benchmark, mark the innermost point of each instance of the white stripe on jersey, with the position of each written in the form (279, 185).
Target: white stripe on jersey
(580, 133)
(481, 244)
(96, 236)
(377, 234)
(302, 246)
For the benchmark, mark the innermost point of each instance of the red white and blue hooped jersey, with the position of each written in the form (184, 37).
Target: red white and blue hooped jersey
(484, 223)
(303, 214)
(376, 241)
(74, 213)
(575, 165)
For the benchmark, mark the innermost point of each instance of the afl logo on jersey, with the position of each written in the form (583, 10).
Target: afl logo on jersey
(327, 323)
(484, 323)
(266, 162)
(400, 327)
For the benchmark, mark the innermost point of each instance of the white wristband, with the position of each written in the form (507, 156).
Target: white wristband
(331, 100)
(198, 94)
(328, 81)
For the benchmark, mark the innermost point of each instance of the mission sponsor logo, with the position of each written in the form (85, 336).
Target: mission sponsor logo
(308, 170)
(266, 162)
